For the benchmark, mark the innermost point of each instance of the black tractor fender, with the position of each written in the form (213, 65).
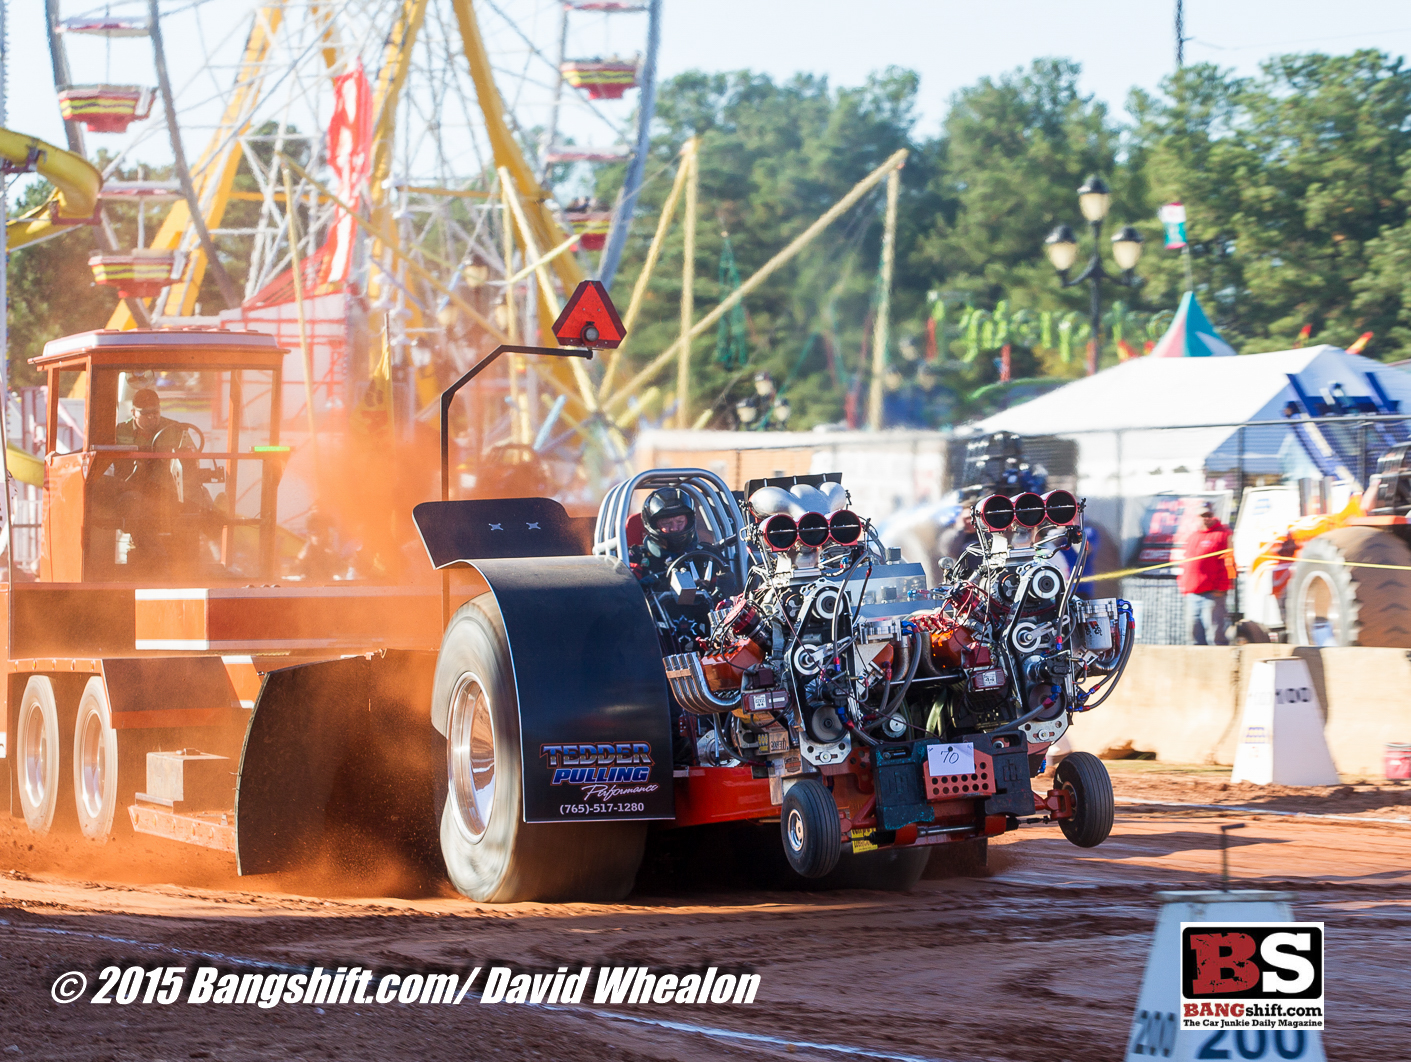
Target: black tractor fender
(594, 713)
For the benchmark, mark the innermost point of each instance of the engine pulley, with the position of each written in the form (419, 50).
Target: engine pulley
(824, 724)
(1031, 637)
(807, 660)
(826, 602)
(1046, 584)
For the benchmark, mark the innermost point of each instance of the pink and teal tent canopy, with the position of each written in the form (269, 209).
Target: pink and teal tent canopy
(1191, 335)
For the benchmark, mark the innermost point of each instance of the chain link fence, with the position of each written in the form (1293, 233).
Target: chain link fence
(1144, 488)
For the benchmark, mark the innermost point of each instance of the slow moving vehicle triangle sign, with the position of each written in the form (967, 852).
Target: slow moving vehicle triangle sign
(589, 319)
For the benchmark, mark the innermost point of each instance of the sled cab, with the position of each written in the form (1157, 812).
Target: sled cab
(186, 495)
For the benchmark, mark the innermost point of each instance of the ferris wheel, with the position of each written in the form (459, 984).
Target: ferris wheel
(424, 145)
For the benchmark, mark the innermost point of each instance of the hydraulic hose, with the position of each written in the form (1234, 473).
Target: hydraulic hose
(1115, 676)
(896, 701)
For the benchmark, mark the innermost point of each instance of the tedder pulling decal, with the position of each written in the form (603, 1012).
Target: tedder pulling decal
(606, 774)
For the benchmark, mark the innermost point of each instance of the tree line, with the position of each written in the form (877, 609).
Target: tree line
(1296, 184)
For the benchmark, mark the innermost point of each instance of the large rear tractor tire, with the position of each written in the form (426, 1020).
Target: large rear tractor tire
(1089, 784)
(812, 831)
(1331, 604)
(43, 758)
(491, 853)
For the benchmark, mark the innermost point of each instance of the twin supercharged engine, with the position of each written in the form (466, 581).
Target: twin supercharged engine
(924, 711)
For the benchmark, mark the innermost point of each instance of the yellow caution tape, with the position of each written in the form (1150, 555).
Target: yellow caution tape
(1137, 571)
(1274, 556)
(1340, 564)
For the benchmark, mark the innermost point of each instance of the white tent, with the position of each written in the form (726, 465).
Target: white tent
(1153, 425)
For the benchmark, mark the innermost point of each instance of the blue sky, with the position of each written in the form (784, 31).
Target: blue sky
(951, 43)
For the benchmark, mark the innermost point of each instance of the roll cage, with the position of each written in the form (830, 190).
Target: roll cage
(716, 505)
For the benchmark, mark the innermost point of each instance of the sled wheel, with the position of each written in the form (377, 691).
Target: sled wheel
(1090, 786)
(1331, 604)
(95, 762)
(42, 756)
(491, 854)
(812, 834)
(887, 870)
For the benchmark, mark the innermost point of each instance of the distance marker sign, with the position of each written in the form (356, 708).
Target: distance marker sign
(1233, 1030)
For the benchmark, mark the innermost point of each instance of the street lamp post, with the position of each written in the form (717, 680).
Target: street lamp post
(766, 408)
(1094, 199)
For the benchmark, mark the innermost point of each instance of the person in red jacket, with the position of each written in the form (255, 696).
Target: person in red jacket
(1205, 580)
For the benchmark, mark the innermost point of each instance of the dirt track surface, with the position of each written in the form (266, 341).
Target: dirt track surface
(1039, 959)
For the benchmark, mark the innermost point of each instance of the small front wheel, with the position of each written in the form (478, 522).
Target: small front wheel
(813, 837)
(1090, 788)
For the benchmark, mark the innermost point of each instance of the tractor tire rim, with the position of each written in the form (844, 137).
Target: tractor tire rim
(92, 766)
(36, 759)
(796, 831)
(470, 754)
(1321, 617)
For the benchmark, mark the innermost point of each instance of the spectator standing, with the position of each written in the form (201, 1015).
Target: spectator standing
(1205, 579)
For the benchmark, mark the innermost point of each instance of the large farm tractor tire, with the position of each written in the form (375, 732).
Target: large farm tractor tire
(43, 757)
(1090, 786)
(1331, 604)
(491, 853)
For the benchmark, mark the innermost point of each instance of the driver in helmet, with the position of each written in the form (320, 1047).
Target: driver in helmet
(669, 530)
(669, 534)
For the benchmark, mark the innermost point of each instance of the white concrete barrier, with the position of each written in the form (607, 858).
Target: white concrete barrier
(1183, 703)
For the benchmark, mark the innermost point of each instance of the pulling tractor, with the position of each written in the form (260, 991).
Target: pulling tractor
(530, 722)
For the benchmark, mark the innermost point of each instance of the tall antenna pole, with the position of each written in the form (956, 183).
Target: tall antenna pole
(1180, 34)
